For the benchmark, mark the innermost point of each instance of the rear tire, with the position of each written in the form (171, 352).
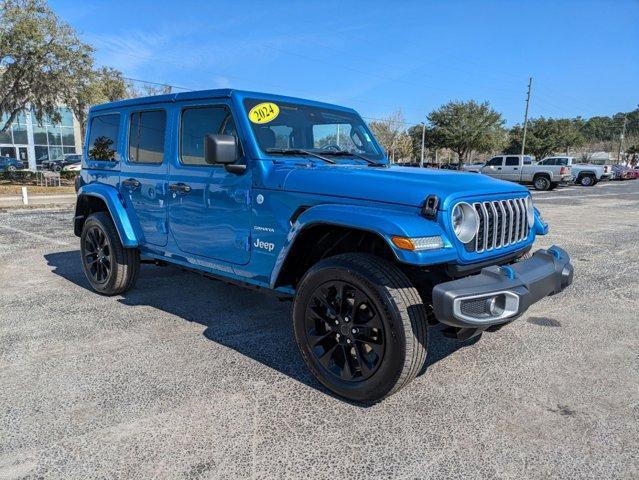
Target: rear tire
(110, 268)
(587, 180)
(541, 182)
(360, 325)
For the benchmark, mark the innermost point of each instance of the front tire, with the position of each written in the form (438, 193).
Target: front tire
(110, 268)
(360, 325)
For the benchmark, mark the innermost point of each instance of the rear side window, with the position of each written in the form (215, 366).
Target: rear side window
(103, 140)
(196, 124)
(562, 161)
(146, 136)
(496, 161)
(512, 161)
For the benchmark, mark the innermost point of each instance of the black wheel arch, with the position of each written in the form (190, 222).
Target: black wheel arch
(318, 241)
(86, 205)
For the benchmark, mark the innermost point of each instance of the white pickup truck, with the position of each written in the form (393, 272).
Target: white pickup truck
(522, 169)
(583, 173)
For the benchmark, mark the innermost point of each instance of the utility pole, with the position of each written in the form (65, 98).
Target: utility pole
(523, 140)
(623, 134)
(421, 163)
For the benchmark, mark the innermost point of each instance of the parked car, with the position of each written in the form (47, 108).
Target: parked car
(59, 164)
(473, 167)
(249, 188)
(521, 169)
(622, 172)
(76, 167)
(450, 166)
(10, 164)
(583, 173)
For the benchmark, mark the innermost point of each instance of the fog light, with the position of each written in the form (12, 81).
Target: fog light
(495, 305)
(486, 308)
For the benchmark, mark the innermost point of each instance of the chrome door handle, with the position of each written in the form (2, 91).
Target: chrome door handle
(131, 183)
(182, 188)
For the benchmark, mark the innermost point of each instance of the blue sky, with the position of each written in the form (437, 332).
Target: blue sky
(380, 56)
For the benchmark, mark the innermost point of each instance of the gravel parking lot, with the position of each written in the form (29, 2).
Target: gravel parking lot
(184, 377)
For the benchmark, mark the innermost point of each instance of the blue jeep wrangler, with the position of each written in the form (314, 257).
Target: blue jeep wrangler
(296, 197)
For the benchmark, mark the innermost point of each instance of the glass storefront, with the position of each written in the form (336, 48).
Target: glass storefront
(50, 140)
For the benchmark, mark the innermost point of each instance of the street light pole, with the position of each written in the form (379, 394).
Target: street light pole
(421, 163)
(623, 134)
(523, 140)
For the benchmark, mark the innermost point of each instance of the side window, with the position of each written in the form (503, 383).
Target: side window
(495, 162)
(527, 160)
(146, 136)
(197, 122)
(103, 139)
(562, 161)
(512, 161)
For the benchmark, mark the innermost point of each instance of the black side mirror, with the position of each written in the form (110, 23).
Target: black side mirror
(220, 149)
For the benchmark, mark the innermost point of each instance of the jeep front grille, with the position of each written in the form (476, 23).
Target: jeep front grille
(501, 223)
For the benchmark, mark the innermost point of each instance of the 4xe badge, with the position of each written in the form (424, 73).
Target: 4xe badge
(264, 245)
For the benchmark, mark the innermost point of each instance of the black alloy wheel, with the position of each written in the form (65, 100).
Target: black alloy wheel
(110, 268)
(97, 254)
(360, 325)
(345, 331)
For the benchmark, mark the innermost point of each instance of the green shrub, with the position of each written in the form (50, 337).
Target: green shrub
(19, 176)
(69, 175)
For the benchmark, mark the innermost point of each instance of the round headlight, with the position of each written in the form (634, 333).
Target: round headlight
(465, 222)
(530, 211)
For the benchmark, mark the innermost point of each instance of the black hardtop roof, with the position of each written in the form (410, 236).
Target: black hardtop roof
(206, 94)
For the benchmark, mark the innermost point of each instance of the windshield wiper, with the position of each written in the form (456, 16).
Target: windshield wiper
(343, 153)
(297, 151)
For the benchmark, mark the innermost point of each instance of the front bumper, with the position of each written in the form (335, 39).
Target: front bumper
(498, 295)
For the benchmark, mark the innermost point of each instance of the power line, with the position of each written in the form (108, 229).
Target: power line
(156, 83)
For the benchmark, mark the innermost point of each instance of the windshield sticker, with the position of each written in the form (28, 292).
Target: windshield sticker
(264, 112)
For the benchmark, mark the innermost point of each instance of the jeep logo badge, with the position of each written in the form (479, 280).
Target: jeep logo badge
(264, 245)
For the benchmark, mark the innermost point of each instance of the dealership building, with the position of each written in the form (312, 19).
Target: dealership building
(32, 142)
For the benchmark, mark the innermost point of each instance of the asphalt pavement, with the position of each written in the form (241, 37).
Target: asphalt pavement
(185, 377)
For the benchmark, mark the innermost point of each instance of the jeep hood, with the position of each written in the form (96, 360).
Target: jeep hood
(400, 185)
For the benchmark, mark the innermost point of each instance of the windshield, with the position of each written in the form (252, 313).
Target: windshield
(280, 126)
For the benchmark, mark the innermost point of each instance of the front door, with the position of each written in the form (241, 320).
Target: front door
(493, 167)
(209, 208)
(143, 174)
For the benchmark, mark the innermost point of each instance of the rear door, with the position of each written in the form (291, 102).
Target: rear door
(144, 172)
(494, 167)
(210, 211)
(511, 169)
